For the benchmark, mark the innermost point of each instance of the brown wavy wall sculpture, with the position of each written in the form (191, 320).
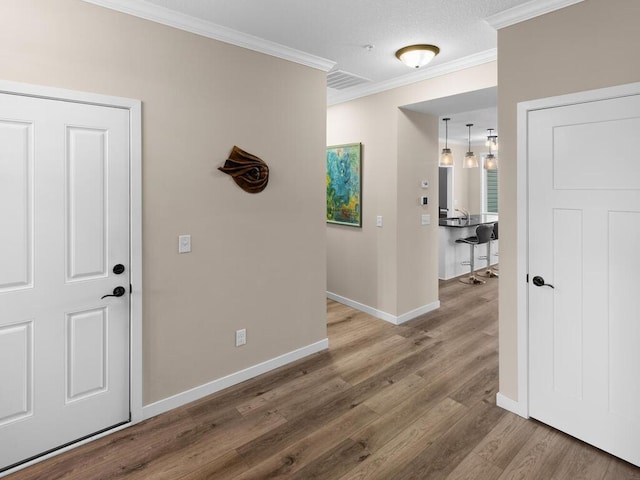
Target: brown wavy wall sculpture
(248, 171)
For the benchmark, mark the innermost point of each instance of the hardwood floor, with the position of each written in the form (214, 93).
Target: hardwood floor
(415, 401)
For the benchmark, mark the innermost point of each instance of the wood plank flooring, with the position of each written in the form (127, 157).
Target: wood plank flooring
(386, 402)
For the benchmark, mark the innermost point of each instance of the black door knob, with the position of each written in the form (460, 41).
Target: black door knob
(539, 282)
(117, 292)
(118, 269)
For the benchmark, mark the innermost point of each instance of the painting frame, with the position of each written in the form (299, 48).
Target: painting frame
(344, 184)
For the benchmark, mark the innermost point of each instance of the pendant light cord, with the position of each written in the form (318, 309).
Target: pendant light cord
(446, 134)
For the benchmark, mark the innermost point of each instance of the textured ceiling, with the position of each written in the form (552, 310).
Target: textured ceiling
(339, 30)
(361, 38)
(343, 31)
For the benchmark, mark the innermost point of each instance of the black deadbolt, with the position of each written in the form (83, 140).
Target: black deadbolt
(118, 269)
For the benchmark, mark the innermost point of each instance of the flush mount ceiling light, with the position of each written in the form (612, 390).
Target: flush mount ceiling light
(490, 161)
(470, 160)
(446, 159)
(416, 56)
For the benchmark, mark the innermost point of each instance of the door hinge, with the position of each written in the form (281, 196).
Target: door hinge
(131, 286)
(527, 278)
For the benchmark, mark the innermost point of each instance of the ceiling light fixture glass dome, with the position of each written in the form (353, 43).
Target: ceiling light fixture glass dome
(416, 56)
(490, 162)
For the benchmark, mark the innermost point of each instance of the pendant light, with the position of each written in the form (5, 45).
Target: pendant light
(446, 159)
(492, 140)
(490, 161)
(470, 160)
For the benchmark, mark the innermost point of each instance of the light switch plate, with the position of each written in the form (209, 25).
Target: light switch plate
(379, 221)
(184, 243)
(425, 219)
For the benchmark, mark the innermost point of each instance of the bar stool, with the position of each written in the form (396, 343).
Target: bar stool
(491, 272)
(483, 235)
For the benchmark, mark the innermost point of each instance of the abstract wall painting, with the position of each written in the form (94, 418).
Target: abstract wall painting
(344, 184)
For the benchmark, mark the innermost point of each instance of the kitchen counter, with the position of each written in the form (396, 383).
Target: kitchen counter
(472, 221)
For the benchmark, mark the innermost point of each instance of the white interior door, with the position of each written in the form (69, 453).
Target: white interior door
(584, 239)
(64, 216)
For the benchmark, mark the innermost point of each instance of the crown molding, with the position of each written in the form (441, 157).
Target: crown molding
(335, 97)
(527, 11)
(171, 18)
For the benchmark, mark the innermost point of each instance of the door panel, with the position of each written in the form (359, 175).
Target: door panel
(86, 203)
(584, 231)
(16, 205)
(16, 378)
(575, 142)
(86, 347)
(567, 332)
(64, 350)
(624, 351)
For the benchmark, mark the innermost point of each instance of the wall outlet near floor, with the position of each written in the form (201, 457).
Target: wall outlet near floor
(241, 337)
(184, 243)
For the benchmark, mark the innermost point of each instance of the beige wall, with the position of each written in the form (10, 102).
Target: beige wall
(355, 268)
(589, 45)
(417, 254)
(393, 269)
(258, 261)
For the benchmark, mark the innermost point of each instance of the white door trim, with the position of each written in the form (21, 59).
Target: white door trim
(135, 213)
(521, 406)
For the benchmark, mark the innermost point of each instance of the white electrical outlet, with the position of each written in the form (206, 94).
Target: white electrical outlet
(241, 337)
(184, 243)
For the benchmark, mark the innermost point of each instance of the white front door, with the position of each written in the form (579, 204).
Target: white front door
(584, 240)
(64, 226)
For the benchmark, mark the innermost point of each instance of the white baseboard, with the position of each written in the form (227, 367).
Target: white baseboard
(387, 317)
(405, 317)
(511, 405)
(201, 391)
